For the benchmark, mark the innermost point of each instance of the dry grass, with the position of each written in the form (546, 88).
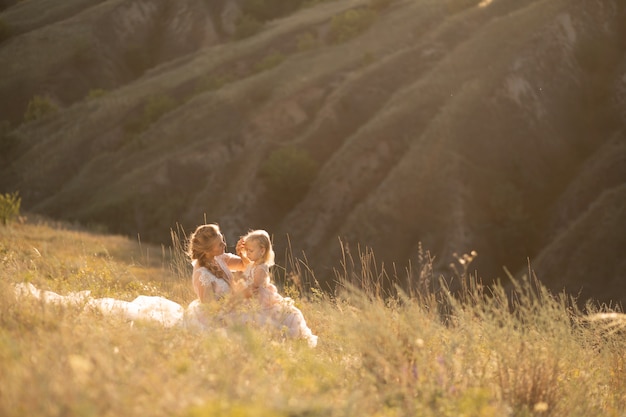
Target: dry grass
(483, 353)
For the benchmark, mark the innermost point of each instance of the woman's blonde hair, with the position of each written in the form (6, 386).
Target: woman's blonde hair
(200, 242)
(263, 239)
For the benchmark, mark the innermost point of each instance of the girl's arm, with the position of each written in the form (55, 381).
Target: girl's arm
(260, 276)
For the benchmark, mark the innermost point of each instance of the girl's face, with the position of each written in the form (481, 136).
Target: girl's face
(254, 251)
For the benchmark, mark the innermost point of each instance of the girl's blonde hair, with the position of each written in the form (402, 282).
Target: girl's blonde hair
(264, 241)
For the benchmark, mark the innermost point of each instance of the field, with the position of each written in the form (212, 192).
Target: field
(483, 352)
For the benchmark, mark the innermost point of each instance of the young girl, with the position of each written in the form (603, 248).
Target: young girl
(276, 310)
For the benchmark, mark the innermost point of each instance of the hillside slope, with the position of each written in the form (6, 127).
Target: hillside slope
(495, 126)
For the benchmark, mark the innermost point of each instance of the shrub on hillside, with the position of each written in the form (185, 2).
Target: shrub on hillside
(156, 107)
(350, 24)
(95, 93)
(287, 174)
(9, 207)
(213, 82)
(307, 41)
(269, 61)
(38, 107)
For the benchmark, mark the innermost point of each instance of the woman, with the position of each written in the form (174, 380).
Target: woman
(212, 278)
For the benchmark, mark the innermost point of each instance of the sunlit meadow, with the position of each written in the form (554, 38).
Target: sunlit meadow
(383, 351)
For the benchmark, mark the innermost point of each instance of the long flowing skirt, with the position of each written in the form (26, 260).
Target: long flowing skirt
(169, 313)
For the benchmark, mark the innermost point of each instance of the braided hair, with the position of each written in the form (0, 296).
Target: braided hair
(200, 242)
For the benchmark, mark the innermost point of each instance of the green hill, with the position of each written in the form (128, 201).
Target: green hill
(459, 125)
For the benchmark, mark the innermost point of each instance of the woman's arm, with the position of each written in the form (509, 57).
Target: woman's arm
(204, 290)
(206, 293)
(197, 285)
(237, 262)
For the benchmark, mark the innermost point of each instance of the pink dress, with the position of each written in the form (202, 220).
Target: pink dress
(276, 310)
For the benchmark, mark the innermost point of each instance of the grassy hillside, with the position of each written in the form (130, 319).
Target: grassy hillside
(482, 354)
(458, 124)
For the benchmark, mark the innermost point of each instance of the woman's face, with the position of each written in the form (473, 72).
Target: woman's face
(217, 247)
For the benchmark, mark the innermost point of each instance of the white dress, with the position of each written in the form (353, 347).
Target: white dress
(197, 314)
(154, 308)
(169, 313)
